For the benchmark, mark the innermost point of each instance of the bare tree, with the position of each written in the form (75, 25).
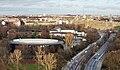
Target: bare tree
(48, 61)
(39, 56)
(15, 58)
(4, 63)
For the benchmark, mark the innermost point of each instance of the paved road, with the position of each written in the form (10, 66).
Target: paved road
(74, 64)
(96, 60)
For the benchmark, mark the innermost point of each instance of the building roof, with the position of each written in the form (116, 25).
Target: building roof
(36, 41)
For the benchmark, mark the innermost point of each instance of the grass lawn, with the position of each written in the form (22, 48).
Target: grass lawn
(33, 67)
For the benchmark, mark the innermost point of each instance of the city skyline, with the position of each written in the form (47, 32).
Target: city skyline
(27, 7)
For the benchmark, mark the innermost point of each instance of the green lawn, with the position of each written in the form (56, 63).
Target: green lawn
(33, 67)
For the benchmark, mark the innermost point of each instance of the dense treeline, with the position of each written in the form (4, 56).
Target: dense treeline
(112, 61)
(27, 30)
(112, 57)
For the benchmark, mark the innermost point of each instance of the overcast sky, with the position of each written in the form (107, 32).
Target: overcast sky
(95, 7)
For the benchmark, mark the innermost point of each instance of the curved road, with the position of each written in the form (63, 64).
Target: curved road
(95, 61)
(74, 64)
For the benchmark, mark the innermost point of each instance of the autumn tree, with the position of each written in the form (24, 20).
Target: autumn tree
(69, 39)
(48, 61)
(39, 56)
(65, 53)
(61, 61)
(15, 58)
(112, 58)
(3, 63)
(112, 62)
(11, 34)
(92, 36)
(3, 32)
(4, 59)
(45, 34)
(115, 45)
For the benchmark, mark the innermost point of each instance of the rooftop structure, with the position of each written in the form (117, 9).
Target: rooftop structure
(36, 41)
(59, 32)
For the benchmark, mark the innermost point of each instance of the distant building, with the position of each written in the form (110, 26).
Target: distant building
(60, 22)
(63, 22)
(3, 22)
(59, 32)
(19, 22)
(46, 18)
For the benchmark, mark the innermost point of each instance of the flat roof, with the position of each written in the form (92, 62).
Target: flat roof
(36, 41)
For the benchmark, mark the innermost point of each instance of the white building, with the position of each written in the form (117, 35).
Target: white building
(60, 32)
(81, 34)
(63, 21)
(60, 22)
(3, 23)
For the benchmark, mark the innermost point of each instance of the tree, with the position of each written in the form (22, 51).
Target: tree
(65, 53)
(15, 58)
(69, 39)
(112, 62)
(39, 56)
(61, 62)
(44, 34)
(36, 34)
(4, 59)
(48, 61)
(92, 36)
(11, 34)
(117, 28)
(3, 32)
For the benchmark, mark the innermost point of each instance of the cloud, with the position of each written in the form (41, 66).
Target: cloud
(117, 3)
(98, 7)
(23, 3)
(53, 3)
(59, 5)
